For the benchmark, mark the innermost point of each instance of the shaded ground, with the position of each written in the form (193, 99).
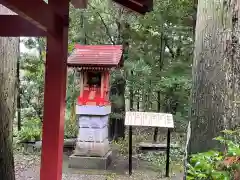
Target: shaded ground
(27, 168)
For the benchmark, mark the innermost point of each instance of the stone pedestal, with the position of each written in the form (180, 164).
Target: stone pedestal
(93, 128)
(92, 143)
(86, 162)
(92, 148)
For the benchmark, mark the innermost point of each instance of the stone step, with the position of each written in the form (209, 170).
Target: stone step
(150, 146)
(84, 162)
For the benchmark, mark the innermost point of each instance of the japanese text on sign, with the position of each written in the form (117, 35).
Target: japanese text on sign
(149, 119)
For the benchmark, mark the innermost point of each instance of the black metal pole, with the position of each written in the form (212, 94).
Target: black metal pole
(155, 134)
(158, 109)
(168, 153)
(130, 150)
(130, 131)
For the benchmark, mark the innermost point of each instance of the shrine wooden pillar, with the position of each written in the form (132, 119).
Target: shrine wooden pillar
(54, 97)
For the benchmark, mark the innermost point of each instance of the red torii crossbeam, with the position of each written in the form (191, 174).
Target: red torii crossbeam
(23, 27)
(38, 13)
(37, 18)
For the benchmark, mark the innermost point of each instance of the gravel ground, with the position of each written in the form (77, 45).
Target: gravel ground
(27, 168)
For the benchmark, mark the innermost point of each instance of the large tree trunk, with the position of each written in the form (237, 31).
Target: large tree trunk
(216, 72)
(9, 51)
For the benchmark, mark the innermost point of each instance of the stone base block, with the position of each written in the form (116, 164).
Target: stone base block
(92, 148)
(90, 134)
(83, 162)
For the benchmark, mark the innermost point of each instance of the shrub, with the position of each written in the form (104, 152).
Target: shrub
(122, 146)
(70, 129)
(31, 131)
(28, 134)
(216, 165)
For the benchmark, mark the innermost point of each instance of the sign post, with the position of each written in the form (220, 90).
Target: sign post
(130, 151)
(168, 153)
(149, 119)
(158, 110)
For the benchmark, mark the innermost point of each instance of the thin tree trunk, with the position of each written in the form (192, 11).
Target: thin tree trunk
(194, 16)
(118, 90)
(9, 51)
(138, 100)
(19, 92)
(150, 94)
(146, 100)
(215, 72)
(118, 86)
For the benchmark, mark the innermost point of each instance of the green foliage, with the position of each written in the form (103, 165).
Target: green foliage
(159, 54)
(70, 127)
(32, 123)
(73, 89)
(111, 176)
(218, 165)
(118, 102)
(204, 166)
(32, 78)
(29, 135)
(101, 25)
(122, 146)
(157, 160)
(32, 90)
(122, 143)
(31, 131)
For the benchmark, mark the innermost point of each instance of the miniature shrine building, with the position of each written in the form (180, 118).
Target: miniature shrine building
(94, 63)
(93, 108)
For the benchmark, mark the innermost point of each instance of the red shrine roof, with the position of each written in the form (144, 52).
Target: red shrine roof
(96, 56)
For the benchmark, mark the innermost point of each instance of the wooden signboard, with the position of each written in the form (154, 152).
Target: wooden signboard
(149, 119)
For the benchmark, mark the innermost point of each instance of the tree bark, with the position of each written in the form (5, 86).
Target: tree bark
(9, 51)
(19, 123)
(118, 108)
(117, 119)
(216, 72)
(8, 84)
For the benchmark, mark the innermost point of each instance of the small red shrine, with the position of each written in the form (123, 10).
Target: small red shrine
(95, 62)
(93, 105)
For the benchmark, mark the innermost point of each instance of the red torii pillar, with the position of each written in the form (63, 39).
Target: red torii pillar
(54, 98)
(36, 18)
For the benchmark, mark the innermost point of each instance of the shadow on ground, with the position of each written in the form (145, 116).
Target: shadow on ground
(119, 167)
